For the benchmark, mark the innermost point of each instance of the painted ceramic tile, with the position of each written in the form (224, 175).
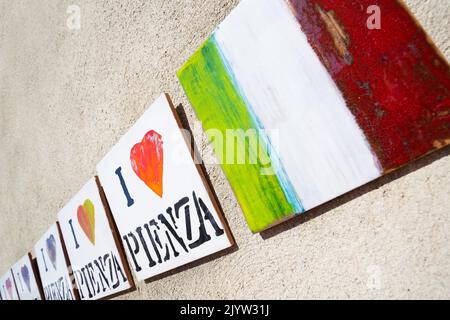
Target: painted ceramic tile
(99, 268)
(330, 101)
(159, 201)
(25, 279)
(53, 267)
(8, 287)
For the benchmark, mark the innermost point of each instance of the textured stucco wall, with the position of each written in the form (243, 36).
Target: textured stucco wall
(67, 96)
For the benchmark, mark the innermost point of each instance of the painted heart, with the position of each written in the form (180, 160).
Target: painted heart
(51, 249)
(26, 276)
(147, 161)
(9, 288)
(86, 219)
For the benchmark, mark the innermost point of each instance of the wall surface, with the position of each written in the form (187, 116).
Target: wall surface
(66, 96)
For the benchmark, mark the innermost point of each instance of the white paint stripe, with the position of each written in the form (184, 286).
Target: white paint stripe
(324, 152)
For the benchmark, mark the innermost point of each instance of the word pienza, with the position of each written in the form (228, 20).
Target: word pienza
(159, 239)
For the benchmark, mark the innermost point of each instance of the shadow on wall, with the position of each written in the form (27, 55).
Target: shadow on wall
(194, 264)
(337, 202)
(376, 184)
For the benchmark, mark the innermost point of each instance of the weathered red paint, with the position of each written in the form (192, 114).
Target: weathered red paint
(394, 80)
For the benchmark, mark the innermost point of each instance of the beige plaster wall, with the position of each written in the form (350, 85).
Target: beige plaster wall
(67, 96)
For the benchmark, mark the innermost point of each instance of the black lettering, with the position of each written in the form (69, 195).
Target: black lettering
(80, 281)
(118, 270)
(173, 233)
(203, 234)
(90, 270)
(152, 240)
(133, 252)
(101, 270)
(210, 218)
(144, 245)
(87, 283)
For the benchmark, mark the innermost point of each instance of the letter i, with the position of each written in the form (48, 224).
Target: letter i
(74, 236)
(43, 258)
(124, 187)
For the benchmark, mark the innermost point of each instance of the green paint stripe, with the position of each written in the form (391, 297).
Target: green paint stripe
(220, 106)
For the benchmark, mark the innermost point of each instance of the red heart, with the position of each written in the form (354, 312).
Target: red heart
(86, 219)
(9, 287)
(147, 161)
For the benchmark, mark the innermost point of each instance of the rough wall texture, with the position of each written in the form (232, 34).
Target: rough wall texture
(67, 96)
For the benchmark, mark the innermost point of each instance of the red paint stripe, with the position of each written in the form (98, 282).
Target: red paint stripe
(394, 81)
